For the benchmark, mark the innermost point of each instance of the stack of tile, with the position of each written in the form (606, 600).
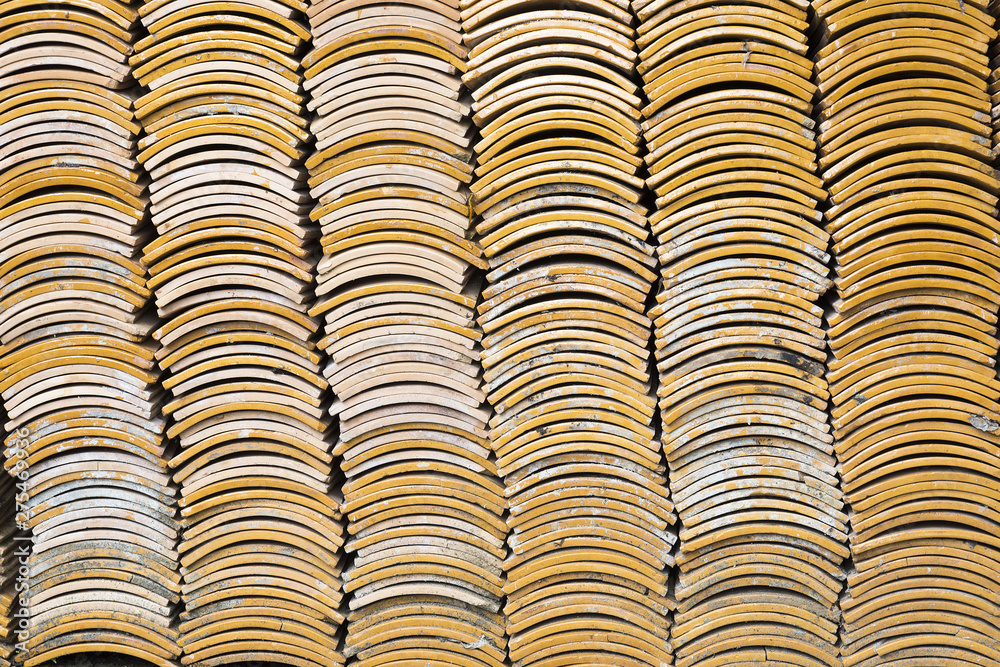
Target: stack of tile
(77, 374)
(993, 9)
(906, 155)
(232, 278)
(397, 290)
(739, 339)
(565, 348)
